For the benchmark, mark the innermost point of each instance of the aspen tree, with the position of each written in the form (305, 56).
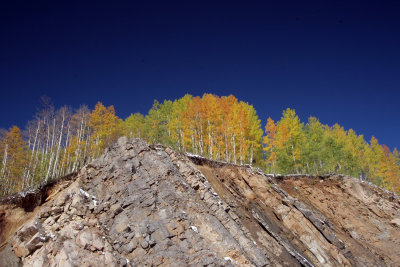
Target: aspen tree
(105, 126)
(290, 137)
(133, 126)
(390, 170)
(16, 159)
(270, 144)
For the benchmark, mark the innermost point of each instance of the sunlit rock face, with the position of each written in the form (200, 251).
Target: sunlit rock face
(143, 205)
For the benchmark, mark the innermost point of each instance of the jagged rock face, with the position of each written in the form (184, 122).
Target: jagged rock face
(146, 205)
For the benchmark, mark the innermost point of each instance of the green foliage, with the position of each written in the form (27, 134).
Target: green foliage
(221, 128)
(314, 148)
(156, 122)
(133, 126)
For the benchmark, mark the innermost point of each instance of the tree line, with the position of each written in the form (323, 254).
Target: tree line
(58, 142)
(53, 144)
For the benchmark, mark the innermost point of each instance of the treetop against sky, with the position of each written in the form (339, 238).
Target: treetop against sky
(337, 60)
(58, 142)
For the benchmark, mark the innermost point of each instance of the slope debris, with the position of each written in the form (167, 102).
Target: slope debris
(142, 205)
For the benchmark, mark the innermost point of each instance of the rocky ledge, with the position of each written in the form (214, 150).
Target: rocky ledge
(141, 205)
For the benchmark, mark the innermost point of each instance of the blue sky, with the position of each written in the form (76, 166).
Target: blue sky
(338, 61)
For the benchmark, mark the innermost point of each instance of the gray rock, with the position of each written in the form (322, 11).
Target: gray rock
(8, 257)
(155, 207)
(144, 244)
(132, 245)
(121, 224)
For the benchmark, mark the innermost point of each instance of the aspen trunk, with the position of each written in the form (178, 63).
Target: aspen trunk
(58, 147)
(251, 154)
(3, 168)
(294, 160)
(32, 154)
(234, 148)
(50, 164)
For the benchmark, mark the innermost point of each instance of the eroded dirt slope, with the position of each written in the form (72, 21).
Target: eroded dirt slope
(334, 221)
(148, 205)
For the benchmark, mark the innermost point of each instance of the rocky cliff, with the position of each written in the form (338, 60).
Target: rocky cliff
(141, 205)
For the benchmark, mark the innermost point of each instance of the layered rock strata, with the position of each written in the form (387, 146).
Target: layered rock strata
(141, 205)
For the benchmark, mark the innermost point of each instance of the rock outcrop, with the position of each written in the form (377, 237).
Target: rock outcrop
(141, 205)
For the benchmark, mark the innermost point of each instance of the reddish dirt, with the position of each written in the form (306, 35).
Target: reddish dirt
(361, 214)
(18, 208)
(363, 217)
(229, 185)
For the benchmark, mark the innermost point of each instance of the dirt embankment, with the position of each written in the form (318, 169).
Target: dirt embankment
(333, 221)
(365, 217)
(18, 208)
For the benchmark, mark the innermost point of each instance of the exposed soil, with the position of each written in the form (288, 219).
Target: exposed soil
(361, 214)
(19, 208)
(362, 217)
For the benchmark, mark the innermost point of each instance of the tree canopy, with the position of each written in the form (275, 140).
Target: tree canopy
(58, 142)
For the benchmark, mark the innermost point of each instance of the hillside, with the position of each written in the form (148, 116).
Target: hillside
(60, 142)
(142, 205)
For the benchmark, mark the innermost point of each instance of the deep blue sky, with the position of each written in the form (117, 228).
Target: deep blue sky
(339, 61)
